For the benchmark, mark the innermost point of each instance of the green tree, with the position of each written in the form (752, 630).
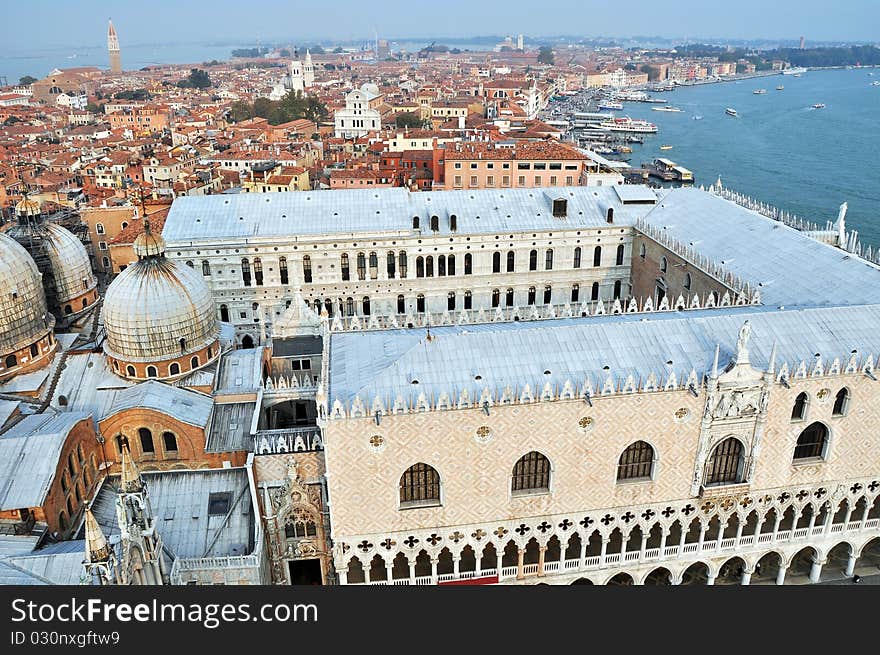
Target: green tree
(545, 55)
(337, 50)
(197, 79)
(27, 80)
(94, 109)
(408, 119)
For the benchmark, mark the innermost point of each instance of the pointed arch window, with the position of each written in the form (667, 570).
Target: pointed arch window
(841, 402)
(349, 306)
(531, 474)
(726, 464)
(799, 409)
(636, 462)
(282, 270)
(401, 261)
(812, 443)
(420, 486)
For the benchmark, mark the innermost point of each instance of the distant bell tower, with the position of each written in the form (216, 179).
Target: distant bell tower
(113, 49)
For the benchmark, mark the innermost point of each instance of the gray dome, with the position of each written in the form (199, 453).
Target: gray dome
(68, 260)
(24, 318)
(152, 305)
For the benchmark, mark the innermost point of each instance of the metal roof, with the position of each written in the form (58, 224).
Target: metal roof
(29, 453)
(230, 428)
(386, 363)
(388, 211)
(240, 371)
(187, 406)
(59, 563)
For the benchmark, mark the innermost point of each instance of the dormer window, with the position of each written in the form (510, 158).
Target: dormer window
(560, 207)
(609, 215)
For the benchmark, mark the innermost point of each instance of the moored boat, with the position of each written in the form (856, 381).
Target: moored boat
(730, 111)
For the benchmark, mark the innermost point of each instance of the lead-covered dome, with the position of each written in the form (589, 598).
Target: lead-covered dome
(24, 319)
(159, 316)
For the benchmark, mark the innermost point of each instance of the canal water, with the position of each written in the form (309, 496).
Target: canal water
(779, 149)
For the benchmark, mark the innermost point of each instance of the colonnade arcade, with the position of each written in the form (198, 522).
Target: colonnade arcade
(708, 540)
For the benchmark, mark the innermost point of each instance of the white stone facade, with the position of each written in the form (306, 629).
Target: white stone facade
(358, 118)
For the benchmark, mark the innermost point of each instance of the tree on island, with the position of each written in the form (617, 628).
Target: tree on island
(135, 94)
(409, 119)
(197, 79)
(545, 55)
(337, 50)
(27, 80)
(292, 106)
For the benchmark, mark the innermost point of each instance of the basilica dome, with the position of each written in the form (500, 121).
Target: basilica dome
(159, 316)
(25, 323)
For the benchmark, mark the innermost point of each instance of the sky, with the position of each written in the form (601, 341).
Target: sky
(56, 23)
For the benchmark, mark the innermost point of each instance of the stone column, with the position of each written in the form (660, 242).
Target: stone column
(850, 565)
(500, 555)
(864, 515)
(643, 546)
(663, 535)
(816, 570)
(739, 532)
(702, 537)
(456, 560)
(433, 570)
(412, 571)
(746, 576)
(541, 553)
(343, 575)
(389, 568)
(710, 580)
(520, 556)
(478, 559)
(582, 562)
(776, 526)
(780, 575)
(604, 548)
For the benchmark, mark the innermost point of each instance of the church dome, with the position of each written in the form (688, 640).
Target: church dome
(71, 284)
(24, 318)
(27, 207)
(159, 312)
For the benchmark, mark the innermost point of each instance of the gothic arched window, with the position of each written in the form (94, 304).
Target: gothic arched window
(799, 410)
(841, 402)
(531, 474)
(726, 463)
(420, 486)
(636, 462)
(812, 442)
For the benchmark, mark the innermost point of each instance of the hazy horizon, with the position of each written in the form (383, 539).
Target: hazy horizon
(84, 24)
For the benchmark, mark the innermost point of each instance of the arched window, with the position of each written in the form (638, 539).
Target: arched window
(401, 305)
(450, 265)
(636, 462)
(435, 223)
(812, 442)
(169, 442)
(344, 266)
(420, 486)
(841, 402)
(349, 306)
(468, 264)
(420, 266)
(511, 261)
(246, 272)
(468, 300)
(146, 438)
(617, 287)
(420, 303)
(548, 295)
(390, 265)
(152, 372)
(415, 222)
(496, 262)
(11, 361)
(429, 266)
(618, 261)
(174, 369)
(642, 250)
(726, 463)
(247, 341)
(190, 264)
(687, 281)
(577, 257)
(453, 222)
(594, 291)
(129, 370)
(307, 268)
(548, 260)
(441, 265)
(194, 362)
(597, 256)
(609, 215)
(365, 306)
(533, 260)
(575, 292)
(182, 343)
(374, 265)
(401, 262)
(99, 228)
(68, 309)
(450, 301)
(799, 410)
(206, 267)
(664, 264)
(531, 474)
(224, 313)
(531, 299)
(508, 298)
(496, 297)
(282, 270)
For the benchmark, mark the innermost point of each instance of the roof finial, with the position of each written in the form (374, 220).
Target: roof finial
(771, 367)
(131, 478)
(742, 344)
(97, 549)
(715, 363)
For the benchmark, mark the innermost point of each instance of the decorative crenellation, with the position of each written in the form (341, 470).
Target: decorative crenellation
(740, 288)
(606, 383)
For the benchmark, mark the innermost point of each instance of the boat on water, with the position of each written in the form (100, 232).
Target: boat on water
(730, 111)
(666, 108)
(666, 146)
(780, 88)
(609, 105)
(794, 71)
(759, 92)
(875, 83)
(627, 124)
(819, 105)
(698, 117)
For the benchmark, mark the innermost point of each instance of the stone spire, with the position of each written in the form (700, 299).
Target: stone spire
(131, 481)
(97, 549)
(113, 49)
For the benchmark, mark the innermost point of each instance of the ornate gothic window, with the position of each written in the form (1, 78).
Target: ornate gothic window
(799, 410)
(726, 464)
(420, 486)
(246, 272)
(636, 462)
(390, 265)
(841, 402)
(401, 261)
(812, 442)
(531, 474)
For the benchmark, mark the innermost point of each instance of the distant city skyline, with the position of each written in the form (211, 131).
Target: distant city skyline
(85, 23)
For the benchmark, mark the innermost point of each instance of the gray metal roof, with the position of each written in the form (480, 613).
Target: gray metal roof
(790, 267)
(60, 563)
(180, 506)
(240, 371)
(388, 211)
(297, 346)
(516, 354)
(29, 453)
(187, 406)
(230, 428)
